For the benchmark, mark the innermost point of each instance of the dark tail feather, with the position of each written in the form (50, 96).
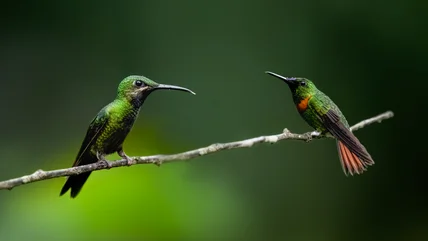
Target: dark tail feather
(75, 183)
(351, 164)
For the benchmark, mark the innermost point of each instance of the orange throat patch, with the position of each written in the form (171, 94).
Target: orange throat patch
(303, 104)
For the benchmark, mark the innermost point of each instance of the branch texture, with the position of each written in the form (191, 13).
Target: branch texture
(40, 175)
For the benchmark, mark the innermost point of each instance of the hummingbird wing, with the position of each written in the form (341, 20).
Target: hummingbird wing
(94, 130)
(353, 154)
(75, 183)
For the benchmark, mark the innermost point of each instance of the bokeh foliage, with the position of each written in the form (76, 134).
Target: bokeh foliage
(62, 61)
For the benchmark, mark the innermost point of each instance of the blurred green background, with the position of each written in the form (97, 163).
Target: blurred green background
(61, 62)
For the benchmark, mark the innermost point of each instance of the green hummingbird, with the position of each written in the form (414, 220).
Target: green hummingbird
(111, 125)
(322, 114)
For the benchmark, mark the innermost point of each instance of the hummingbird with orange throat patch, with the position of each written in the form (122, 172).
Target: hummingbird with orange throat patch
(322, 114)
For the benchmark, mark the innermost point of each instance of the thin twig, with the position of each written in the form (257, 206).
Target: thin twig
(40, 175)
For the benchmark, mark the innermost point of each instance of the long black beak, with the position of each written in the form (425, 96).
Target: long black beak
(172, 87)
(289, 80)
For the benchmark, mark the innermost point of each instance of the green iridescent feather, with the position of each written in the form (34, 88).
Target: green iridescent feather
(322, 114)
(108, 130)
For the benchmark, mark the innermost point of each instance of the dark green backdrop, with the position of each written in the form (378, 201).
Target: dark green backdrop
(60, 62)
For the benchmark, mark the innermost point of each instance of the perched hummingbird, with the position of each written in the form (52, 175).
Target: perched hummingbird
(320, 112)
(111, 125)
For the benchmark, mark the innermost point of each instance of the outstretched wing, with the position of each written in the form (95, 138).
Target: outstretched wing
(334, 125)
(95, 129)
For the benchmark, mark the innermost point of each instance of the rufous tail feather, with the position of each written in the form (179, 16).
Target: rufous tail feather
(351, 164)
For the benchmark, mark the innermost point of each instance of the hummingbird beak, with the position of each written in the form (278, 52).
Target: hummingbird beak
(289, 80)
(172, 87)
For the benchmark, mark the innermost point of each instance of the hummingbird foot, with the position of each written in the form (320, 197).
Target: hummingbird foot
(308, 137)
(130, 161)
(102, 160)
(311, 135)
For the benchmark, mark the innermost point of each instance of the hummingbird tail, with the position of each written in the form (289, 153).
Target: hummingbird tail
(75, 183)
(351, 163)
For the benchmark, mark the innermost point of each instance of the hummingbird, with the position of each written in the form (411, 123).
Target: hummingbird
(322, 114)
(109, 128)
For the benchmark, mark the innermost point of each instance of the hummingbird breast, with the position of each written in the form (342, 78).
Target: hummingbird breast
(311, 117)
(116, 130)
(317, 106)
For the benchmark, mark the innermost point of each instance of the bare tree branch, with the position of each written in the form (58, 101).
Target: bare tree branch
(159, 159)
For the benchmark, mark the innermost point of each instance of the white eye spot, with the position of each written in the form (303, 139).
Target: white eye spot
(138, 83)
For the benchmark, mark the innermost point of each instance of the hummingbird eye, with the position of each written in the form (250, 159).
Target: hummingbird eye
(138, 83)
(302, 83)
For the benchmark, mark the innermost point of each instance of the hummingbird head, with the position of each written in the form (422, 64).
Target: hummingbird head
(301, 88)
(136, 88)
